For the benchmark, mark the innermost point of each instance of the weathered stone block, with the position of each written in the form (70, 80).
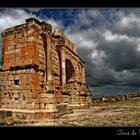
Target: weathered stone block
(49, 96)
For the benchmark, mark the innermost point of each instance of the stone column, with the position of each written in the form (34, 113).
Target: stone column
(83, 74)
(63, 65)
(49, 67)
(47, 31)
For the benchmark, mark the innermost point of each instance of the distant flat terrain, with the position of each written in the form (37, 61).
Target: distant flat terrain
(121, 113)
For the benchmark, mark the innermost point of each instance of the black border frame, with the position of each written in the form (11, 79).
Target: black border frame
(70, 132)
(69, 3)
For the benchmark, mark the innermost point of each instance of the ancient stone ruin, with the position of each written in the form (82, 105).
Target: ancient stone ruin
(41, 74)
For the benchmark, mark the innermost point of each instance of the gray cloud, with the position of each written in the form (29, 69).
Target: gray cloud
(128, 24)
(11, 17)
(122, 55)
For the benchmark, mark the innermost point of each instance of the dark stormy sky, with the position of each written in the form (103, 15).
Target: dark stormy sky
(106, 39)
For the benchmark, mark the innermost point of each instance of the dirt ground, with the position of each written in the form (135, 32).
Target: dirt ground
(122, 113)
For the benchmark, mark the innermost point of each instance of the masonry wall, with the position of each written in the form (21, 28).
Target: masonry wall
(40, 72)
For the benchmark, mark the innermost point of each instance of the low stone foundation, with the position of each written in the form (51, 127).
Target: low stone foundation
(29, 115)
